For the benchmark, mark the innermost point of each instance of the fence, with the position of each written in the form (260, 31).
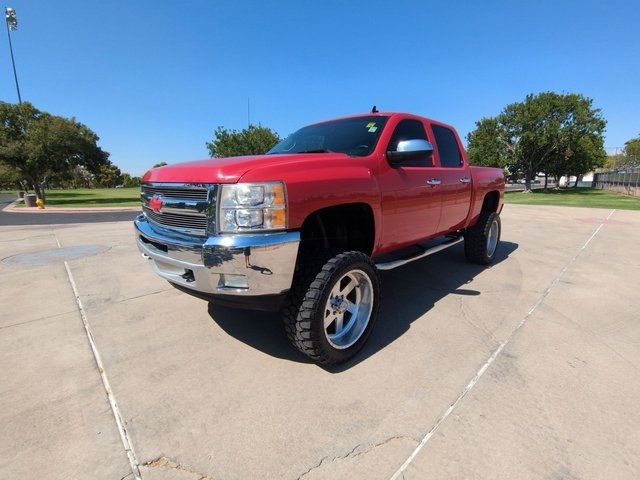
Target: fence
(625, 181)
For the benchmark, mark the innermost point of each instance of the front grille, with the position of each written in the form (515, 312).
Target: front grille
(188, 208)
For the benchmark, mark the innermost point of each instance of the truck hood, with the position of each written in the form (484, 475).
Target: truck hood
(230, 169)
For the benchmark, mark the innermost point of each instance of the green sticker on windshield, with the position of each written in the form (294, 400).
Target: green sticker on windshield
(371, 127)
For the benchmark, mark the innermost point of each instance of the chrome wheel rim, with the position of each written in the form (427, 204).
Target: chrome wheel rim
(492, 238)
(348, 309)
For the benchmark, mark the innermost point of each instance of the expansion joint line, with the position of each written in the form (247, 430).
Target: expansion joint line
(124, 436)
(399, 473)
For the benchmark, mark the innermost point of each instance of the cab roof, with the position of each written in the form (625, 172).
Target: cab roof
(386, 114)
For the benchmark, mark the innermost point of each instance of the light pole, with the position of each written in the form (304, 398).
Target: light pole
(12, 25)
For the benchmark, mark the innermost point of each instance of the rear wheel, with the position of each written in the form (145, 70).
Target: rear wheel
(481, 241)
(338, 311)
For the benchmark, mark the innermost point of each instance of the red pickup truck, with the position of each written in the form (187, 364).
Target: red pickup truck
(306, 228)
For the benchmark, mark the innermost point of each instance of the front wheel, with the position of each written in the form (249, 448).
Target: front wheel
(339, 309)
(481, 241)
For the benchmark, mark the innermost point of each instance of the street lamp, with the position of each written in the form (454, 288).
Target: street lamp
(12, 25)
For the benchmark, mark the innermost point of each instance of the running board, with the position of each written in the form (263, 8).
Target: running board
(426, 253)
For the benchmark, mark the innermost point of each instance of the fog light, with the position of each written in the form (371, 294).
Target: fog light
(233, 281)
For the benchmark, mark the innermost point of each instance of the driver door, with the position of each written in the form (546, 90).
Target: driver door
(411, 203)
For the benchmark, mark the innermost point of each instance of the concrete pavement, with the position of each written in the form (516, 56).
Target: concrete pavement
(538, 355)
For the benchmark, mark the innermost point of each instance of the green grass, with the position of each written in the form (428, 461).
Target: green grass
(571, 197)
(93, 197)
(575, 197)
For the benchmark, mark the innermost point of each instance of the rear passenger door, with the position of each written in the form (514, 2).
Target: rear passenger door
(455, 179)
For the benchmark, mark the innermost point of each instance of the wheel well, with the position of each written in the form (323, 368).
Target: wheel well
(491, 201)
(339, 228)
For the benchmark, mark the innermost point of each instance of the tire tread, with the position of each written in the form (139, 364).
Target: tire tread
(303, 302)
(475, 239)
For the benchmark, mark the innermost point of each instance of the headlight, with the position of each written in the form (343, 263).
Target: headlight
(252, 206)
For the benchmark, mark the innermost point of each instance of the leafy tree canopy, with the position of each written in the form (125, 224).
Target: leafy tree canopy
(38, 145)
(109, 175)
(632, 151)
(129, 181)
(486, 147)
(559, 134)
(9, 178)
(253, 140)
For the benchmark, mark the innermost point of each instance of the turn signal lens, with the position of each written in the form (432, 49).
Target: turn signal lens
(278, 195)
(276, 217)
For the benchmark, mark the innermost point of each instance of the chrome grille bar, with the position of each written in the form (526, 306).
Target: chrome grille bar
(193, 193)
(176, 220)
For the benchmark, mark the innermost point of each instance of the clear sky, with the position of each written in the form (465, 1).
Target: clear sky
(154, 78)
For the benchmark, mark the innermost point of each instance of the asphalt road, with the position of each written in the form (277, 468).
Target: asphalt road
(12, 218)
(527, 369)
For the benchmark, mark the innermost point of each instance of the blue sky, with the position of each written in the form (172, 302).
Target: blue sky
(154, 78)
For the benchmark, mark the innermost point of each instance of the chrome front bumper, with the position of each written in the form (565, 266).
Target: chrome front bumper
(244, 264)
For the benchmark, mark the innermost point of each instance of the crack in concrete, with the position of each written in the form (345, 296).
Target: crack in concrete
(353, 454)
(48, 317)
(145, 295)
(488, 336)
(164, 462)
(26, 238)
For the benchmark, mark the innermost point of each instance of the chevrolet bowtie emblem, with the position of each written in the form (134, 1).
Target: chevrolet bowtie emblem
(156, 203)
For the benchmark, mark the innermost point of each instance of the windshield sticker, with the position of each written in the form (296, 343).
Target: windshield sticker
(371, 127)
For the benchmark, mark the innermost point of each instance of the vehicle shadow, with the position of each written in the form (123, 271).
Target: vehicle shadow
(408, 293)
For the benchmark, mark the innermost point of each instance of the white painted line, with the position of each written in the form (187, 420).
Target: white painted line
(124, 436)
(398, 473)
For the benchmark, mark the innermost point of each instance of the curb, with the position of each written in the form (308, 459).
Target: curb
(11, 208)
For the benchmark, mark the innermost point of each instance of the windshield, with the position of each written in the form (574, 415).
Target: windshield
(354, 136)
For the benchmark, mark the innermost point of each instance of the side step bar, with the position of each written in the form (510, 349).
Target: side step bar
(426, 253)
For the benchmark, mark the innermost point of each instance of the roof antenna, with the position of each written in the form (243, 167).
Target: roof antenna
(374, 109)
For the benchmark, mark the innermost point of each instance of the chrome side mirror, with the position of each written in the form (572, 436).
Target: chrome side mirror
(415, 149)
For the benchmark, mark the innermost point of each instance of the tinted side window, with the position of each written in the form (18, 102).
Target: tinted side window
(447, 147)
(409, 130)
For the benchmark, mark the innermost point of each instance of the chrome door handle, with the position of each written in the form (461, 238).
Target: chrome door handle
(434, 181)
(465, 180)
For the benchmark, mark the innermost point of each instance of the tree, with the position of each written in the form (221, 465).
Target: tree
(128, 181)
(109, 175)
(253, 140)
(9, 177)
(553, 133)
(81, 177)
(615, 161)
(628, 157)
(159, 164)
(580, 132)
(632, 152)
(39, 145)
(486, 147)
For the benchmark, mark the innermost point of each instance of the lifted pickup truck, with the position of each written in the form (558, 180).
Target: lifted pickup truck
(306, 228)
